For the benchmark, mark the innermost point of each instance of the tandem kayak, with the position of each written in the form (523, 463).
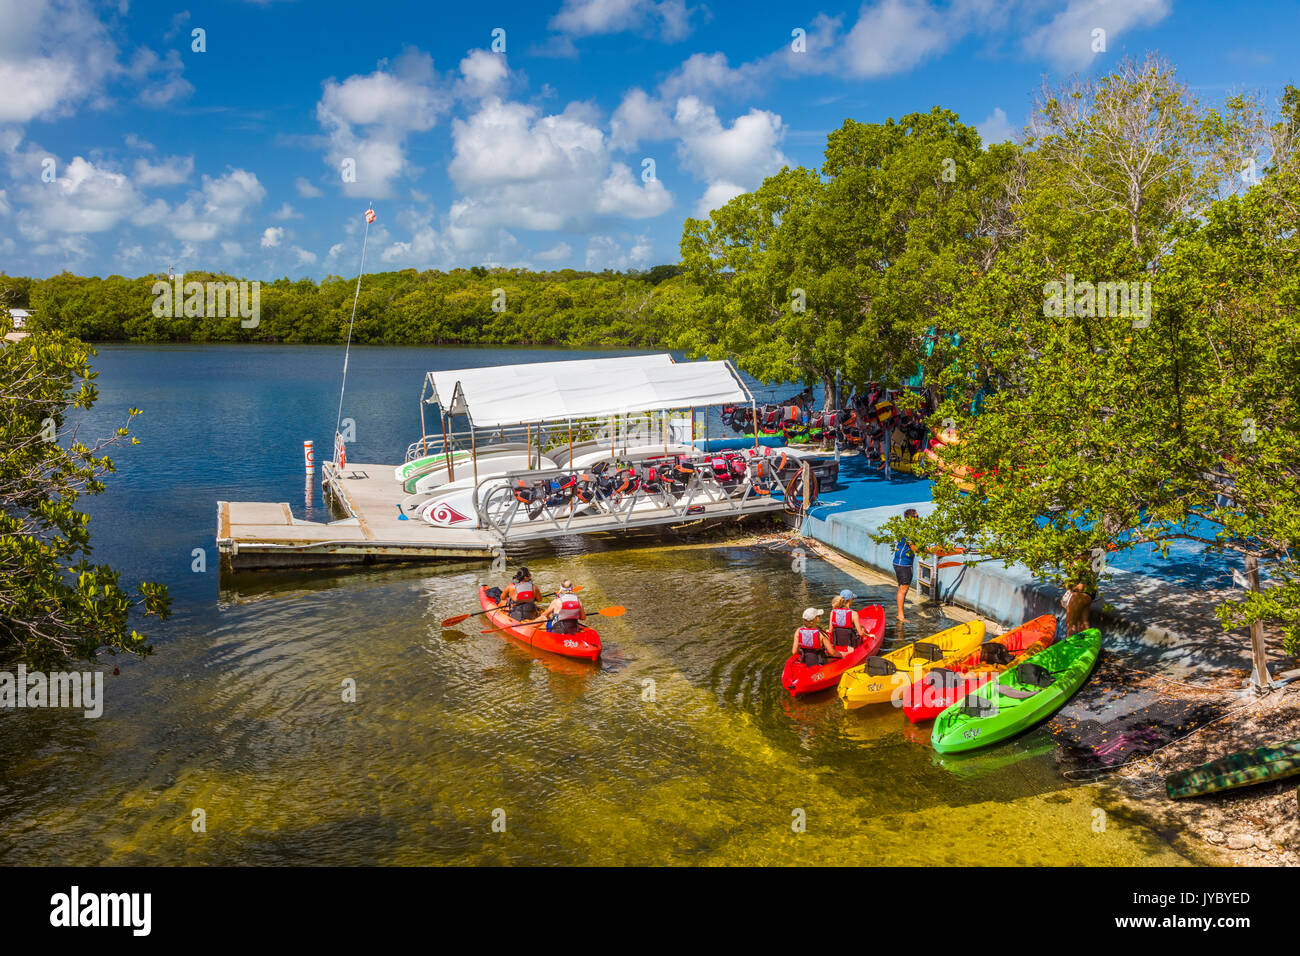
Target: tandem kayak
(799, 678)
(1025, 695)
(942, 687)
(1236, 770)
(585, 644)
(878, 679)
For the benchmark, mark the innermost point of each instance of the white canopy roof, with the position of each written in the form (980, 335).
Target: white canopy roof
(583, 388)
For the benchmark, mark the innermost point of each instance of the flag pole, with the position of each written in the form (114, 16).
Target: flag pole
(347, 348)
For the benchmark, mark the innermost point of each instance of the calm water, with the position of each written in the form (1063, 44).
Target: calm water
(240, 711)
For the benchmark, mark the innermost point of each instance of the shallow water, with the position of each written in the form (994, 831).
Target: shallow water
(679, 747)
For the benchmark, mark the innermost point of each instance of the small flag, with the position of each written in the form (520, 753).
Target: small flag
(370, 215)
(1239, 579)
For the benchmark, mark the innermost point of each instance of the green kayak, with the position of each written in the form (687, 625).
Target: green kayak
(1020, 698)
(1236, 770)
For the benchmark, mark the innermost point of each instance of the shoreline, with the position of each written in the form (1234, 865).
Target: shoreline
(1257, 825)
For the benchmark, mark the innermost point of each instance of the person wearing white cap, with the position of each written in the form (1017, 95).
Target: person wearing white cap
(811, 642)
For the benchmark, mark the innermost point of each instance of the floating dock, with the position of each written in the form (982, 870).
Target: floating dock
(257, 534)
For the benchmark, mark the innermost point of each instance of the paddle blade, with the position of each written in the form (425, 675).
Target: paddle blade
(616, 611)
(453, 621)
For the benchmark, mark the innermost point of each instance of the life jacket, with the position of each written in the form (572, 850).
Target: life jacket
(570, 608)
(810, 638)
(842, 617)
(524, 591)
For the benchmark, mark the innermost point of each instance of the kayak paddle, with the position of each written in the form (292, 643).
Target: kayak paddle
(616, 611)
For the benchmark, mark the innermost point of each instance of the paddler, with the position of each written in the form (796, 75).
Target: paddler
(846, 629)
(520, 596)
(811, 642)
(565, 614)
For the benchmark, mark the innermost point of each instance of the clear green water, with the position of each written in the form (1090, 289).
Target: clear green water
(240, 712)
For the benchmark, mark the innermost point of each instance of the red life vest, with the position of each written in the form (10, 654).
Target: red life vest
(570, 608)
(810, 638)
(842, 617)
(524, 591)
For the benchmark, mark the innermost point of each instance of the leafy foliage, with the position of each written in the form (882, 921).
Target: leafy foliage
(56, 607)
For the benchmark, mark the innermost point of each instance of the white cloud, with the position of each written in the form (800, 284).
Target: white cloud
(305, 189)
(231, 249)
(893, 36)
(483, 74)
(82, 198)
(286, 212)
(522, 169)
(741, 155)
(705, 74)
(335, 250)
(165, 88)
(995, 128)
(622, 195)
(170, 172)
(718, 194)
(271, 237)
(54, 54)
(217, 207)
(1067, 40)
(669, 19)
(304, 257)
(639, 118)
(368, 119)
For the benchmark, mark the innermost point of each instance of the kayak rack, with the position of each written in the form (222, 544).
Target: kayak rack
(701, 498)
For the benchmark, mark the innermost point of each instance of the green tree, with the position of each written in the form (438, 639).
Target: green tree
(56, 607)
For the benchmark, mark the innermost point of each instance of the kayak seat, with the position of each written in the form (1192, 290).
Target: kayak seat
(1016, 693)
(880, 667)
(973, 705)
(995, 653)
(1035, 675)
(945, 679)
(927, 652)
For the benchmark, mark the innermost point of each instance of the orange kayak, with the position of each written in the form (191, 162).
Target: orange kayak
(585, 644)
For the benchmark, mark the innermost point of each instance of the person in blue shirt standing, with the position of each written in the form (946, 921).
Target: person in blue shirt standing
(904, 559)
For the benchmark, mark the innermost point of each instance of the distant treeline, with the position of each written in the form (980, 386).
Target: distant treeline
(566, 307)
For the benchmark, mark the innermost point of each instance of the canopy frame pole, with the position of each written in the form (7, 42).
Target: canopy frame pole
(446, 449)
(753, 407)
(424, 440)
(473, 452)
(570, 462)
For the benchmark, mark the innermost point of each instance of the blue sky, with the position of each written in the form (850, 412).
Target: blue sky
(123, 149)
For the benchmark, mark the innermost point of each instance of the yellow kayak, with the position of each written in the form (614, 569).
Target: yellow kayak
(881, 679)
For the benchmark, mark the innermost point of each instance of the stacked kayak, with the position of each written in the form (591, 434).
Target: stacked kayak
(942, 686)
(1021, 697)
(799, 678)
(878, 679)
(584, 645)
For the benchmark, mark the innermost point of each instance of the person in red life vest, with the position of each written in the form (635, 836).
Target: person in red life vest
(811, 642)
(565, 613)
(520, 596)
(846, 629)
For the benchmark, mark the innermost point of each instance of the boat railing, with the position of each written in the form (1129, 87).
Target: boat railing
(498, 509)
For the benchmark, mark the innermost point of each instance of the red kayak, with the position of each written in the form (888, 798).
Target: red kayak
(585, 644)
(944, 686)
(799, 678)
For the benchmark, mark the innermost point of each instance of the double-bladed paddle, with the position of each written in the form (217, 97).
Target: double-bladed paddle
(615, 611)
